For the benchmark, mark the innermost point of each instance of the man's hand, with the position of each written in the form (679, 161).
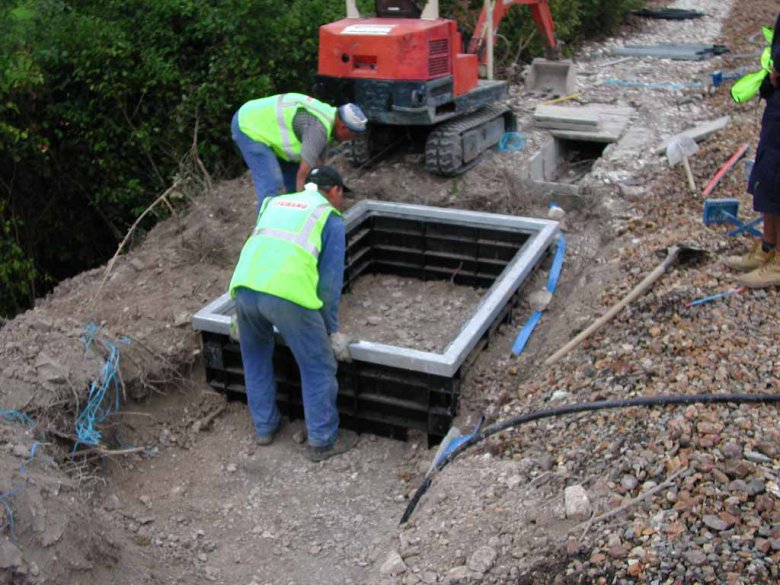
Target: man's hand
(234, 328)
(340, 344)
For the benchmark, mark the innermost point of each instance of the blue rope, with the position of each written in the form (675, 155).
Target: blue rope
(15, 490)
(552, 282)
(98, 408)
(17, 417)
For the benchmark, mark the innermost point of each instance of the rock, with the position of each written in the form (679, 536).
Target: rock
(514, 481)
(49, 370)
(231, 468)
(138, 264)
(146, 500)
(112, 502)
(10, 555)
(577, 503)
(696, 557)
(629, 482)
(756, 457)
(539, 300)
(458, 576)
(482, 560)
(714, 522)
(755, 487)
(559, 395)
(393, 565)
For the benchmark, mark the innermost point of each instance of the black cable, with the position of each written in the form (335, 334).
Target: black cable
(575, 408)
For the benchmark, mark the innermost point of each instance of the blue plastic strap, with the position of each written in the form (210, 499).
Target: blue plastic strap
(552, 282)
(525, 333)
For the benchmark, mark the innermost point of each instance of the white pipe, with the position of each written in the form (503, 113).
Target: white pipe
(352, 11)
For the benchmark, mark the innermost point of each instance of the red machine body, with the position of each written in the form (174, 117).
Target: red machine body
(396, 49)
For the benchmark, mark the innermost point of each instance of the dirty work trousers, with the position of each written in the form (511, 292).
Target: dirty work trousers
(304, 333)
(271, 175)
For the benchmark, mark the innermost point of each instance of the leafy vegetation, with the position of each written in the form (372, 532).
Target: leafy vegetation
(99, 100)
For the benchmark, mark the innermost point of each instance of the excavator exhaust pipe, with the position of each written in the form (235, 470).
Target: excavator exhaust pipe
(551, 77)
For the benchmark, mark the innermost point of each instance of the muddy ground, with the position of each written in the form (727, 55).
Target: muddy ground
(183, 496)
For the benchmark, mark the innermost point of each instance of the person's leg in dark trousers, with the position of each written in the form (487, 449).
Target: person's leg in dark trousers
(304, 333)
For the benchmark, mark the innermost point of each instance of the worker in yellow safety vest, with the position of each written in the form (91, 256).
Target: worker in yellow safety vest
(282, 137)
(290, 276)
(761, 264)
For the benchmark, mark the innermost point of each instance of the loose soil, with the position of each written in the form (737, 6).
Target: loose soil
(408, 312)
(185, 496)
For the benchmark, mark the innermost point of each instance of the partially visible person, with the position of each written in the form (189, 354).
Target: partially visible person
(761, 264)
(283, 137)
(290, 276)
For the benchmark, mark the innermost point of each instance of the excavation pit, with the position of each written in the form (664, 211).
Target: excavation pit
(389, 389)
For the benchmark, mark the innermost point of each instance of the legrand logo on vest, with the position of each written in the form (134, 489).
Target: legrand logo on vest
(295, 204)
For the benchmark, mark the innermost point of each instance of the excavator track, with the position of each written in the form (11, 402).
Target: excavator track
(456, 146)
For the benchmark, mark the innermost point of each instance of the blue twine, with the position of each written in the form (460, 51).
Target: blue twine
(511, 141)
(552, 282)
(98, 408)
(17, 417)
(660, 85)
(15, 490)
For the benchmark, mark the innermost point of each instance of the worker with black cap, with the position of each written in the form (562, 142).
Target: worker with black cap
(283, 137)
(290, 275)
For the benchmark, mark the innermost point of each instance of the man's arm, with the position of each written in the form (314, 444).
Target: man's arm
(331, 271)
(314, 138)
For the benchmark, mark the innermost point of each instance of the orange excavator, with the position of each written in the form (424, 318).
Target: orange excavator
(414, 77)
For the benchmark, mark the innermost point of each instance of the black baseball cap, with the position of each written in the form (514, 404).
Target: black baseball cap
(325, 177)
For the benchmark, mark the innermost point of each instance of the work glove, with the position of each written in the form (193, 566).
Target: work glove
(234, 328)
(340, 344)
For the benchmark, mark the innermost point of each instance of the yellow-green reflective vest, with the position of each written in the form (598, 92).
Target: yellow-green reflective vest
(747, 87)
(280, 257)
(270, 121)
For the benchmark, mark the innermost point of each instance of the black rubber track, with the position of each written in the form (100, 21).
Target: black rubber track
(444, 146)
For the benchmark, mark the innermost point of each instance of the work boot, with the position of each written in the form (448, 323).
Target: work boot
(345, 440)
(767, 275)
(265, 440)
(755, 258)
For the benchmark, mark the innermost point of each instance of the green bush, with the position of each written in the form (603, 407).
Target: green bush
(99, 100)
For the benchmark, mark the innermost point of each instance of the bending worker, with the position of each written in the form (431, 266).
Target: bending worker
(290, 275)
(283, 137)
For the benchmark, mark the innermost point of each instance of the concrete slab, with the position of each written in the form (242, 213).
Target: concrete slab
(678, 52)
(698, 132)
(566, 116)
(613, 121)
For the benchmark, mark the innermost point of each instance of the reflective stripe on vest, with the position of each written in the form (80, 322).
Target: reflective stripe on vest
(301, 238)
(748, 86)
(270, 121)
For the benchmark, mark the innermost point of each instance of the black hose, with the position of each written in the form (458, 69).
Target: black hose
(574, 408)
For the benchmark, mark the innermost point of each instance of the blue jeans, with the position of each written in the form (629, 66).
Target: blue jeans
(271, 175)
(304, 333)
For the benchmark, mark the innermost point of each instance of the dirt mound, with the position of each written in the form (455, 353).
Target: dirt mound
(131, 335)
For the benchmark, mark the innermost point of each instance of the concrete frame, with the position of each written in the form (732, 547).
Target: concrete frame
(215, 317)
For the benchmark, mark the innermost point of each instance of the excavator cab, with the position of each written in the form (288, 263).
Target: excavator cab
(397, 9)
